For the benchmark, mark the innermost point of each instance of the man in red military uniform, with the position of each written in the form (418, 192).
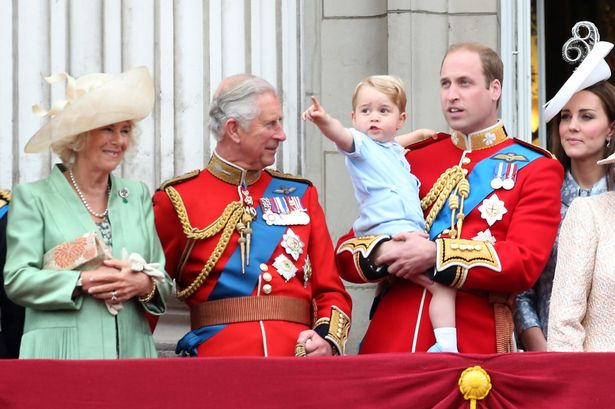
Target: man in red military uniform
(249, 247)
(491, 204)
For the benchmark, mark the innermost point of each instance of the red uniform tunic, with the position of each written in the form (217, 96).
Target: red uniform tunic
(521, 242)
(205, 197)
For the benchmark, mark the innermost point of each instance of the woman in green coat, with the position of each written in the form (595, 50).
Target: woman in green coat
(83, 256)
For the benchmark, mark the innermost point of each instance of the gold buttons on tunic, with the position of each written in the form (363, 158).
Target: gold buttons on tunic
(466, 160)
(267, 277)
(267, 288)
(264, 267)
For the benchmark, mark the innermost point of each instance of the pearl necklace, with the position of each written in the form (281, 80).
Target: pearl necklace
(85, 203)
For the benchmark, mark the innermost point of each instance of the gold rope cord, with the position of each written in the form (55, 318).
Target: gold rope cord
(207, 232)
(440, 191)
(462, 191)
(226, 222)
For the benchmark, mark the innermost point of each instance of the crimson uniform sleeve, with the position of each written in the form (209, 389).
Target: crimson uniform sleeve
(169, 230)
(333, 304)
(352, 257)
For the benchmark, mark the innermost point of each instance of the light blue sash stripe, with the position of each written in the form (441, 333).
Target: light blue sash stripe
(232, 283)
(190, 342)
(3, 211)
(480, 185)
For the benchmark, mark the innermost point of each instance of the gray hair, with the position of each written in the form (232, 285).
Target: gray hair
(236, 99)
(67, 148)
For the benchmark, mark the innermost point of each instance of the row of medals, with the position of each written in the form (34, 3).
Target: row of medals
(281, 211)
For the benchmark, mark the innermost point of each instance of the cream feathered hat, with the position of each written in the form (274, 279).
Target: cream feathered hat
(92, 101)
(593, 68)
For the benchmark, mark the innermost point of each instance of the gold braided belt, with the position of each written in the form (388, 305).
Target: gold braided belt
(226, 224)
(248, 309)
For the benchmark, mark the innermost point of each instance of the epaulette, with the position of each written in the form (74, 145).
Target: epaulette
(5, 197)
(533, 147)
(179, 179)
(288, 176)
(440, 136)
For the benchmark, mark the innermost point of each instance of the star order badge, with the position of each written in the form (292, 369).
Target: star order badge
(485, 236)
(492, 209)
(292, 244)
(307, 271)
(285, 267)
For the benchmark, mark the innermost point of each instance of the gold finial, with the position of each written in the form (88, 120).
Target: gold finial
(474, 384)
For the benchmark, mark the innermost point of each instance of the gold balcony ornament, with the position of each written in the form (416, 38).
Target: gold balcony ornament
(474, 384)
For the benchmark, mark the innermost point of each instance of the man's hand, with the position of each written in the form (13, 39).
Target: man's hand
(407, 254)
(315, 345)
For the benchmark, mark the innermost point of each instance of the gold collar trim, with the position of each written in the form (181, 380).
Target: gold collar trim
(231, 173)
(486, 138)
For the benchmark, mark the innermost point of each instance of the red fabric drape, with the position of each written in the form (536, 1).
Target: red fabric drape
(525, 380)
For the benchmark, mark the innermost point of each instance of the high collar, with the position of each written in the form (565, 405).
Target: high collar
(231, 173)
(482, 139)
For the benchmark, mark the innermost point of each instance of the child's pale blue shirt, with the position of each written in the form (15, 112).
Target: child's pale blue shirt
(385, 190)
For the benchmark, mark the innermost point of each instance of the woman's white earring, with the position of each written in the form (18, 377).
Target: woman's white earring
(608, 143)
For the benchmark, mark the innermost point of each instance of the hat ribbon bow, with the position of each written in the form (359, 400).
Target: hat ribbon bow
(72, 93)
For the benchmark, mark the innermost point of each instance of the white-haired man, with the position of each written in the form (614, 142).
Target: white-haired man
(249, 247)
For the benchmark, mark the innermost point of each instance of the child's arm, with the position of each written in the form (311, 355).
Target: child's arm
(329, 126)
(415, 136)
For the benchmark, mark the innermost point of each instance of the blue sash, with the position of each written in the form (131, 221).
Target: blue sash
(480, 184)
(4, 210)
(232, 283)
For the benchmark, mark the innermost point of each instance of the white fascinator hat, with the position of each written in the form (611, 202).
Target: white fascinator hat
(93, 101)
(588, 50)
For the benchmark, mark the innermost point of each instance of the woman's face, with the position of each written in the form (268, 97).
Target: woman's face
(105, 146)
(584, 127)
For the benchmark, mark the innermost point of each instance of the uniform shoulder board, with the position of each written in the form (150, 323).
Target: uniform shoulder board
(5, 197)
(179, 179)
(440, 136)
(288, 176)
(535, 148)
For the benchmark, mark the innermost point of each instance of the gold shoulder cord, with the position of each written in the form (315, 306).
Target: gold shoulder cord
(226, 222)
(453, 181)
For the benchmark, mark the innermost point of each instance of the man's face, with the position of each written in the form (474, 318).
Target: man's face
(468, 103)
(259, 142)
